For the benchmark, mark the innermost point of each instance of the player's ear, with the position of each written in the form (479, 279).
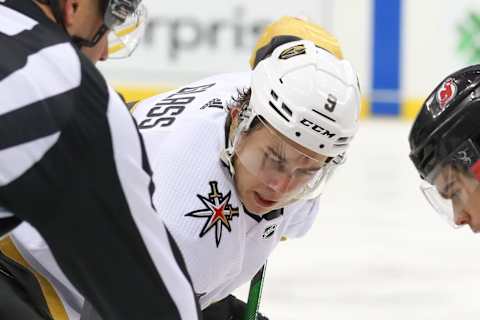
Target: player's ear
(234, 113)
(70, 9)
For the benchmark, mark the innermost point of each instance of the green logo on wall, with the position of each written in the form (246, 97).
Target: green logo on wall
(469, 43)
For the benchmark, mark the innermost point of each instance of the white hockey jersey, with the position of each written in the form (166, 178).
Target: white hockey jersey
(184, 133)
(224, 246)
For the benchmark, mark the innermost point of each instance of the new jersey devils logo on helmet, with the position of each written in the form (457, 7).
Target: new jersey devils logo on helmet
(446, 93)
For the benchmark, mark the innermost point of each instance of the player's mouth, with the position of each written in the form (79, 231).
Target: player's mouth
(263, 202)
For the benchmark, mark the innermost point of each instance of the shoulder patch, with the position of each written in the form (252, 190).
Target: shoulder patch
(292, 52)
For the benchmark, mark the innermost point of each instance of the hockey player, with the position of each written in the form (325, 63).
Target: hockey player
(445, 148)
(67, 145)
(238, 174)
(245, 179)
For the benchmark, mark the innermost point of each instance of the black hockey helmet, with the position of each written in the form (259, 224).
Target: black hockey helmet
(444, 146)
(449, 118)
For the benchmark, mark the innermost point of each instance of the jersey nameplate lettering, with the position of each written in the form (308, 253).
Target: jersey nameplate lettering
(166, 110)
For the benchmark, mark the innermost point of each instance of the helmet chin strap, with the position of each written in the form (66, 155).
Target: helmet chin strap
(245, 119)
(79, 42)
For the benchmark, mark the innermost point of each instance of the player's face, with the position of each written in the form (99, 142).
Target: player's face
(271, 169)
(463, 190)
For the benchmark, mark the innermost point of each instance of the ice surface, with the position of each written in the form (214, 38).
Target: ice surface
(377, 250)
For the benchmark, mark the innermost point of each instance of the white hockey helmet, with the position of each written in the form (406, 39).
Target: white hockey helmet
(309, 96)
(311, 99)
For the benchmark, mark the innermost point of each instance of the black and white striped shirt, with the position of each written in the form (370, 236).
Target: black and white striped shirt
(73, 165)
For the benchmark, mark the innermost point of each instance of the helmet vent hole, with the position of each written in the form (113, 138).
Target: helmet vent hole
(274, 107)
(298, 134)
(343, 139)
(286, 109)
(321, 146)
(281, 81)
(274, 95)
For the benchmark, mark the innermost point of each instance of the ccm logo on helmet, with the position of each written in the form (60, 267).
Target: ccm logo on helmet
(317, 128)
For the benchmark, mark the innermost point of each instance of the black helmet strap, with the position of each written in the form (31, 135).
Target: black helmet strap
(81, 42)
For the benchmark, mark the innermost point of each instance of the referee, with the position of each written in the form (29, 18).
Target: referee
(67, 146)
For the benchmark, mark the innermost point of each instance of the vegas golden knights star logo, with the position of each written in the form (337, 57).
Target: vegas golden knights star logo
(217, 212)
(292, 52)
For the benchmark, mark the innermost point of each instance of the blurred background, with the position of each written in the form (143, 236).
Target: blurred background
(400, 48)
(377, 250)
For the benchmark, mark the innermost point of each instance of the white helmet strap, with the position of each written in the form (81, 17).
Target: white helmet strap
(245, 119)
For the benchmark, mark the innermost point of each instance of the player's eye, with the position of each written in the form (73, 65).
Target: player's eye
(450, 191)
(274, 161)
(306, 172)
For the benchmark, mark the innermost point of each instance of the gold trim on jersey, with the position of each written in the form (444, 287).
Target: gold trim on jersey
(305, 30)
(136, 92)
(133, 106)
(54, 303)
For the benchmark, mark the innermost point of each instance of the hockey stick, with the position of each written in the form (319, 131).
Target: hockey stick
(255, 294)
